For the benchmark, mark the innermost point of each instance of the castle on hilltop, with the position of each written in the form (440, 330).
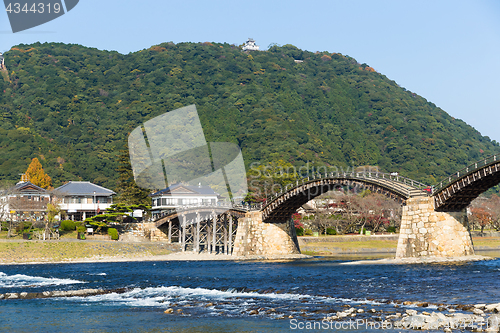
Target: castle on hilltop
(250, 45)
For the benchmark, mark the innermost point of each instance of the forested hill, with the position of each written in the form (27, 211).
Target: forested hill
(73, 107)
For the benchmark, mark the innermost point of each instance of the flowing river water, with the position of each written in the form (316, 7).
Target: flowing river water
(236, 296)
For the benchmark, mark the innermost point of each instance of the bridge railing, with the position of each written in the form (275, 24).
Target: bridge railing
(207, 206)
(465, 171)
(409, 184)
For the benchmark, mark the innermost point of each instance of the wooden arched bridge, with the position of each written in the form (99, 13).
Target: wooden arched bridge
(454, 193)
(282, 205)
(220, 228)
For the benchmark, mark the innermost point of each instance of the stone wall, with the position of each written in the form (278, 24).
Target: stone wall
(254, 237)
(140, 232)
(425, 232)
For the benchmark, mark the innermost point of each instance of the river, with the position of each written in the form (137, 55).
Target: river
(234, 296)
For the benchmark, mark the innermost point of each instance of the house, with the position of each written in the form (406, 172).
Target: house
(83, 199)
(250, 45)
(180, 195)
(2, 61)
(25, 201)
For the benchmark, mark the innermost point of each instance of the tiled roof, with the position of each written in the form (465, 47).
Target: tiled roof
(27, 185)
(186, 189)
(83, 188)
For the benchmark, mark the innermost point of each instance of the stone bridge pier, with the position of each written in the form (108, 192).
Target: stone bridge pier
(427, 232)
(255, 237)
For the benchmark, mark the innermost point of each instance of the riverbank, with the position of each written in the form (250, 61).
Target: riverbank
(353, 247)
(74, 251)
(62, 251)
(375, 244)
(420, 260)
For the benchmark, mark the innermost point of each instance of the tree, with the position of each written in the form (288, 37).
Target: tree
(128, 191)
(267, 179)
(53, 210)
(37, 176)
(481, 217)
(117, 213)
(350, 212)
(485, 211)
(379, 210)
(493, 206)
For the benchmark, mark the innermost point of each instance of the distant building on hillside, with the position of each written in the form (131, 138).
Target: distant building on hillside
(83, 199)
(250, 45)
(2, 61)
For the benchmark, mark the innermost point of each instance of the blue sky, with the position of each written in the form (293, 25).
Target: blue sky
(446, 51)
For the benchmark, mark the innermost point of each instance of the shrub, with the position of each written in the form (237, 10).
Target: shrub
(308, 232)
(299, 231)
(5, 226)
(20, 227)
(362, 232)
(113, 233)
(80, 227)
(67, 225)
(391, 229)
(331, 231)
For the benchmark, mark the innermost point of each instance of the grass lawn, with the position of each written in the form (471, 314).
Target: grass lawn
(486, 241)
(47, 251)
(371, 244)
(312, 248)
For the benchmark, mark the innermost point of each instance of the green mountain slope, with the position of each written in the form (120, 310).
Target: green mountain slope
(74, 107)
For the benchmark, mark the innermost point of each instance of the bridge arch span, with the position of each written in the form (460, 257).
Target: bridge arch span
(458, 190)
(282, 205)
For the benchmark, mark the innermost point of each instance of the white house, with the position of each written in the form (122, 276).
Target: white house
(2, 61)
(25, 201)
(83, 199)
(180, 195)
(250, 45)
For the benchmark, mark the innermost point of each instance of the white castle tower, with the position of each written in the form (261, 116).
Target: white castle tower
(250, 45)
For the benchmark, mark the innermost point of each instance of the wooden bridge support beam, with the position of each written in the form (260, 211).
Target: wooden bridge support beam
(170, 231)
(197, 241)
(183, 233)
(214, 231)
(230, 235)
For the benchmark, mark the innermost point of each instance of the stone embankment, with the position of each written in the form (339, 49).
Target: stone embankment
(59, 293)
